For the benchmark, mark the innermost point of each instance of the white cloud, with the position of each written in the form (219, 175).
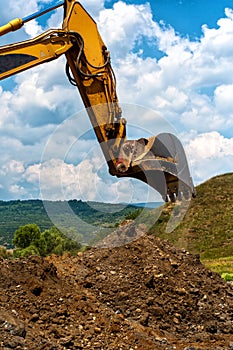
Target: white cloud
(123, 25)
(17, 191)
(41, 96)
(33, 29)
(63, 181)
(10, 177)
(224, 102)
(216, 41)
(210, 154)
(13, 166)
(218, 146)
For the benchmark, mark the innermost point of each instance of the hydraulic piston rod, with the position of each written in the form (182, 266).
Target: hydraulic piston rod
(17, 23)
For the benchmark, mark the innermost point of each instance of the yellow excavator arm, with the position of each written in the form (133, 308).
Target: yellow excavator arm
(159, 161)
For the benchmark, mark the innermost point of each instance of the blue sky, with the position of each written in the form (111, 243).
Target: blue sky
(173, 58)
(186, 16)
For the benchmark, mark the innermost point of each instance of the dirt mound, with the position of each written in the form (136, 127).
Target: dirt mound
(144, 295)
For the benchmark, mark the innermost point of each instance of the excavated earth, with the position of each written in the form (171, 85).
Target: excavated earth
(142, 295)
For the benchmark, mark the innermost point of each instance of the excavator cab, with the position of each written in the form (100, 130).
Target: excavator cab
(159, 161)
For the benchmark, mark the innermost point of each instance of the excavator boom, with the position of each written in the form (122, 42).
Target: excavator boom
(159, 161)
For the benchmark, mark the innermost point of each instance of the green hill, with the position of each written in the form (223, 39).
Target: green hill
(19, 213)
(207, 228)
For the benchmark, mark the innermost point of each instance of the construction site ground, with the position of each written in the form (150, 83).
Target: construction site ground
(142, 295)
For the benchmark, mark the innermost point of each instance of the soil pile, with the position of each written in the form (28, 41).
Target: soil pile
(143, 295)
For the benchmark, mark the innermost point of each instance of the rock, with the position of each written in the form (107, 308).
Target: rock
(123, 295)
(97, 330)
(14, 343)
(37, 289)
(175, 320)
(34, 318)
(228, 327)
(11, 324)
(150, 282)
(144, 319)
(181, 291)
(156, 311)
(211, 327)
(67, 341)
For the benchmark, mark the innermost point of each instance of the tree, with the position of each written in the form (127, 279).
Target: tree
(53, 239)
(41, 245)
(27, 235)
(58, 243)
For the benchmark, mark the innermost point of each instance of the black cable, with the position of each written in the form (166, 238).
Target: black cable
(79, 39)
(71, 80)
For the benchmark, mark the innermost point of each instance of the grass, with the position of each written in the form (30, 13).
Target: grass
(223, 266)
(207, 228)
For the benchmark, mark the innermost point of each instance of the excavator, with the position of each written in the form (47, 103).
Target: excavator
(159, 161)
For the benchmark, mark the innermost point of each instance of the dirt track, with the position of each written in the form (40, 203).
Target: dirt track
(144, 295)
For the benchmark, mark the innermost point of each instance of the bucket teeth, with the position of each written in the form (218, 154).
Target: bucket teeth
(178, 194)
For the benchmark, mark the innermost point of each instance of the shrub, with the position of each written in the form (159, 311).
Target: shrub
(30, 250)
(227, 276)
(133, 215)
(3, 252)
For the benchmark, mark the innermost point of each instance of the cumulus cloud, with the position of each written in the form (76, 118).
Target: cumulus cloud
(224, 103)
(59, 180)
(210, 153)
(10, 173)
(41, 96)
(124, 19)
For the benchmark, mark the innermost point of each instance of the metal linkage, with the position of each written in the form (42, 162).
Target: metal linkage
(17, 23)
(41, 13)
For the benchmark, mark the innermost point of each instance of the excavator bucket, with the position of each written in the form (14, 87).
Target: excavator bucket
(160, 162)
